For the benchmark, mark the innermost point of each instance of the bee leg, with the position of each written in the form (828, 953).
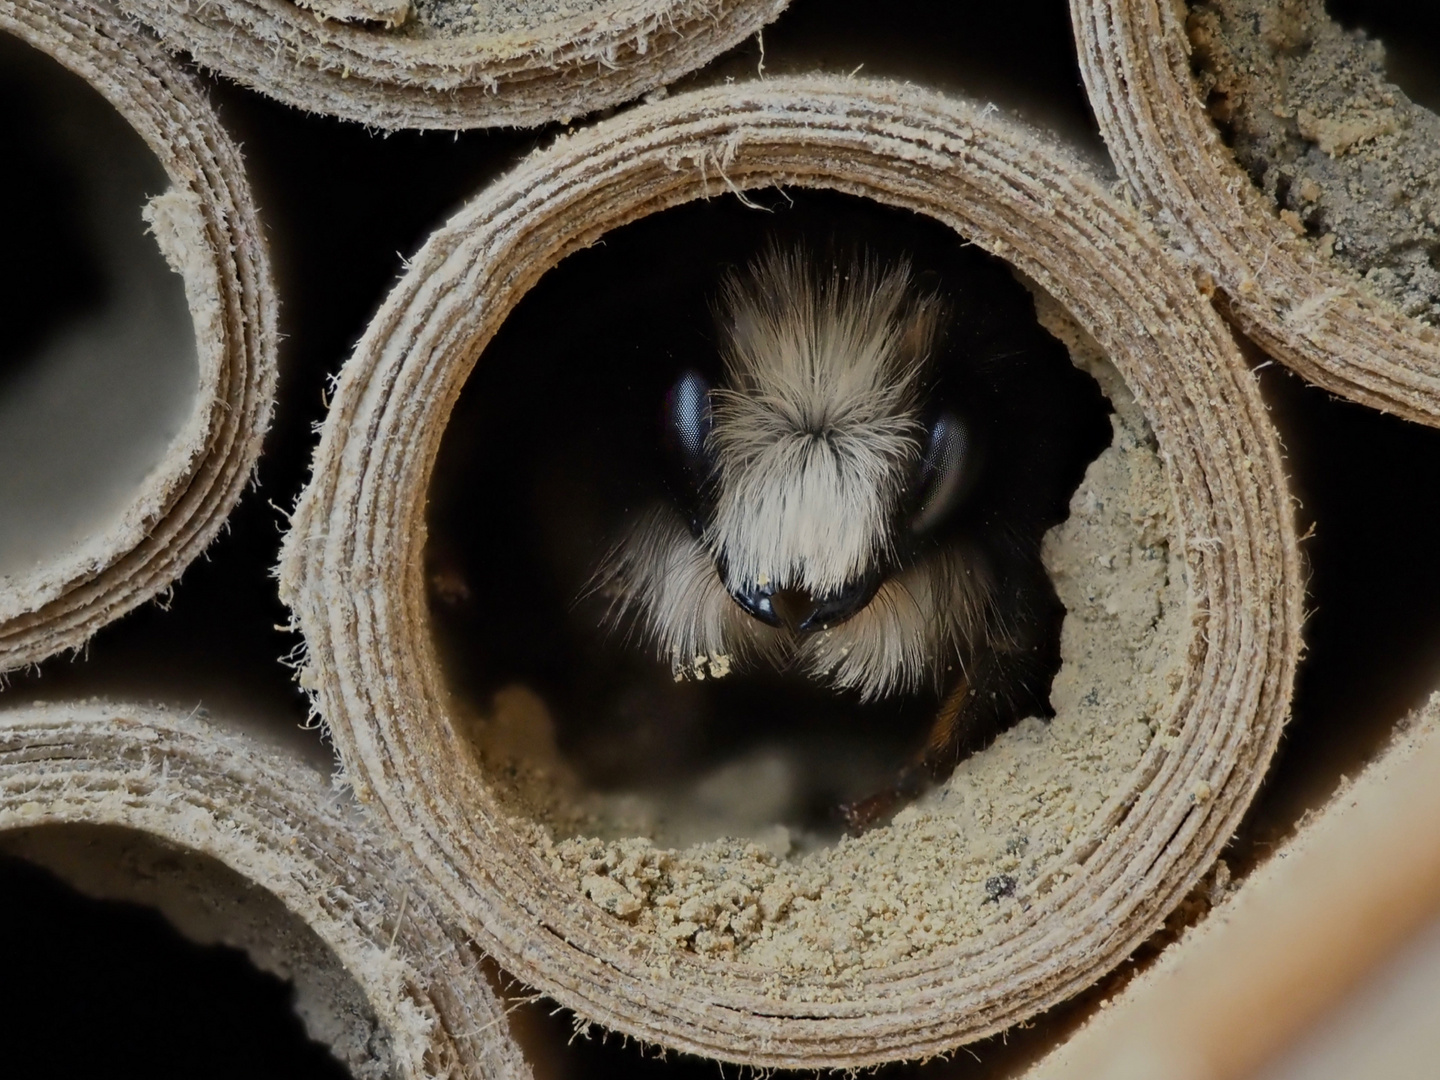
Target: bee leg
(941, 746)
(994, 690)
(948, 732)
(864, 814)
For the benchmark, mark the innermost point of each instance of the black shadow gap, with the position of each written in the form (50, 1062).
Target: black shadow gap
(110, 988)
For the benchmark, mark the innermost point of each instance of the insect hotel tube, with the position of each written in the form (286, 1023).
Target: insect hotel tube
(1335, 967)
(138, 370)
(1274, 147)
(239, 842)
(454, 64)
(1027, 875)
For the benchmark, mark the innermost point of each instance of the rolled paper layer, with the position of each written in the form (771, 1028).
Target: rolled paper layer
(352, 570)
(379, 975)
(131, 431)
(1285, 289)
(401, 64)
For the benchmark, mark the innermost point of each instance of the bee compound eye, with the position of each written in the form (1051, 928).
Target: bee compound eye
(944, 471)
(687, 423)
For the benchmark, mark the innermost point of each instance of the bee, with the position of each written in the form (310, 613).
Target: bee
(821, 517)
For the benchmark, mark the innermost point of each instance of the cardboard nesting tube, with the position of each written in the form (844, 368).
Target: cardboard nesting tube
(363, 60)
(364, 946)
(1268, 973)
(207, 230)
(352, 571)
(1281, 289)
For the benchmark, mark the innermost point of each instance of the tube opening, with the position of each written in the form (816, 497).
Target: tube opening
(172, 962)
(561, 448)
(102, 375)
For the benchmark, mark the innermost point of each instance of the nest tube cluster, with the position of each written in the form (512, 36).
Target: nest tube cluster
(1149, 285)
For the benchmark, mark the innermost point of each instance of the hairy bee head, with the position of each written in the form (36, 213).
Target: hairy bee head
(809, 471)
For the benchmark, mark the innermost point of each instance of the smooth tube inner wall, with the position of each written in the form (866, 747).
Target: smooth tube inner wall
(98, 369)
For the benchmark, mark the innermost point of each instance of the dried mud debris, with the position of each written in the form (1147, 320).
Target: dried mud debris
(1349, 160)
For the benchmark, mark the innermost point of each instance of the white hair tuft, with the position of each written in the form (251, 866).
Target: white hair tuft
(917, 624)
(662, 583)
(816, 429)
